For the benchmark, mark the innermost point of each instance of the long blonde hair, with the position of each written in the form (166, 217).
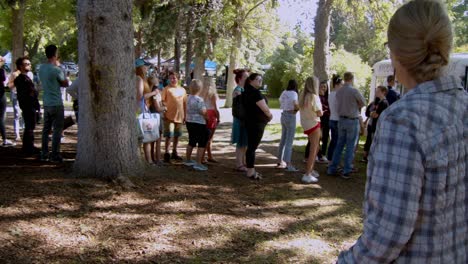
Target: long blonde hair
(310, 89)
(146, 89)
(208, 89)
(420, 37)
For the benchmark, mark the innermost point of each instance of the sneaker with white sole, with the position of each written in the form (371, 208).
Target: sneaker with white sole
(190, 163)
(309, 179)
(200, 167)
(291, 169)
(315, 174)
(8, 143)
(323, 159)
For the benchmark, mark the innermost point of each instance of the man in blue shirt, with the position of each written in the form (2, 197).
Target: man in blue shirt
(52, 78)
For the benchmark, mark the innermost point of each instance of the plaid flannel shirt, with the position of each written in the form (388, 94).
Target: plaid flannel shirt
(416, 200)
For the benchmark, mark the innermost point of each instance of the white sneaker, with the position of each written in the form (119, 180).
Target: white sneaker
(309, 179)
(315, 174)
(8, 143)
(189, 163)
(200, 167)
(323, 159)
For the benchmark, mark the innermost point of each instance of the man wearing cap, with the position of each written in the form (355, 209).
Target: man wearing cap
(52, 78)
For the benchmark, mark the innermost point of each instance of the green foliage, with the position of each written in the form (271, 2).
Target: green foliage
(343, 61)
(291, 60)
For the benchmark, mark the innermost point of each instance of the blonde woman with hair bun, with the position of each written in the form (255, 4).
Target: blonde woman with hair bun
(210, 96)
(415, 207)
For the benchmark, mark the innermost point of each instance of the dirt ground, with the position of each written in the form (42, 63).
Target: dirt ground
(175, 214)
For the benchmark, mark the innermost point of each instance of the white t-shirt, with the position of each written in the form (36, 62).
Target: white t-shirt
(309, 117)
(333, 106)
(287, 100)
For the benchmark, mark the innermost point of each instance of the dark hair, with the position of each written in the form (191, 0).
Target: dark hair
(51, 51)
(325, 82)
(292, 86)
(173, 73)
(239, 73)
(348, 76)
(19, 62)
(251, 77)
(390, 78)
(383, 89)
(336, 79)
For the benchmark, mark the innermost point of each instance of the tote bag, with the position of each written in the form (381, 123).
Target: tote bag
(148, 124)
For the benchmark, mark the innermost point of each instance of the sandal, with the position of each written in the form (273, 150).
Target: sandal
(241, 168)
(212, 160)
(256, 176)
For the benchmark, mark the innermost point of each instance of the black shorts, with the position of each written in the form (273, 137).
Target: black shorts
(198, 134)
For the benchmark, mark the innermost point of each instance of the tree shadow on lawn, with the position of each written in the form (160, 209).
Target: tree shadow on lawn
(192, 206)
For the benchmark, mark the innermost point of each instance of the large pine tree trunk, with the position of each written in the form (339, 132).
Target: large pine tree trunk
(17, 29)
(199, 69)
(233, 63)
(107, 135)
(189, 46)
(322, 39)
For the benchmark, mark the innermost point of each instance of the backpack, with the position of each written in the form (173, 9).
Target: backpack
(238, 108)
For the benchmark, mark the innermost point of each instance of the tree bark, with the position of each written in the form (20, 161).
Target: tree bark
(233, 59)
(107, 137)
(189, 46)
(199, 69)
(322, 39)
(17, 28)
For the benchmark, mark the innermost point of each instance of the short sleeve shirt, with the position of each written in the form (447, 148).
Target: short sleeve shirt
(348, 100)
(287, 100)
(250, 97)
(174, 99)
(195, 106)
(309, 118)
(51, 76)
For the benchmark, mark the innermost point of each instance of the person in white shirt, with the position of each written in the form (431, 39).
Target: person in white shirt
(337, 83)
(289, 103)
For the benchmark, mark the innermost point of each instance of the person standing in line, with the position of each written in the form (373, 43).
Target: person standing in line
(174, 99)
(145, 99)
(349, 101)
(392, 95)
(310, 109)
(210, 96)
(289, 103)
(52, 78)
(29, 104)
(239, 133)
(196, 126)
(324, 123)
(415, 204)
(3, 105)
(337, 83)
(17, 120)
(258, 117)
(370, 132)
(157, 107)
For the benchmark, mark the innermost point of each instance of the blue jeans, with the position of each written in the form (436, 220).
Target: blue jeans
(53, 117)
(348, 135)
(288, 130)
(334, 138)
(17, 117)
(3, 105)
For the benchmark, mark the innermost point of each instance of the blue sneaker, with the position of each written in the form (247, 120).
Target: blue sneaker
(200, 167)
(190, 163)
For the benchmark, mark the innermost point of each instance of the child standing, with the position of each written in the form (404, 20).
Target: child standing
(196, 126)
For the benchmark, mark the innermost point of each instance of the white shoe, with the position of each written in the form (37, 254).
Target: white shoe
(200, 167)
(190, 163)
(315, 174)
(309, 179)
(323, 159)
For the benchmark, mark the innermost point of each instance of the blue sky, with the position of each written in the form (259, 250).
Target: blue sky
(292, 12)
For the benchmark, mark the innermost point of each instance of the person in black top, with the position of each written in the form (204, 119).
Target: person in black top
(382, 93)
(392, 95)
(29, 104)
(257, 118)
(370, 128)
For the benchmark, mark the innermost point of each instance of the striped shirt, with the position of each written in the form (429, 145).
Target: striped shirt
(416, 199)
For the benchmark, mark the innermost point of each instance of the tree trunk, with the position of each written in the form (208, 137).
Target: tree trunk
(199, 69)
(107, 137)
(189, 46)
(159, 60)
(17, 29)
(322, 39)
(233, 63)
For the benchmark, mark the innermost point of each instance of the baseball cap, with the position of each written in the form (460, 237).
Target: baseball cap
(140, 62)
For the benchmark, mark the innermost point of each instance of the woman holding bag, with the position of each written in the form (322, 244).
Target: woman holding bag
(144, 99)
